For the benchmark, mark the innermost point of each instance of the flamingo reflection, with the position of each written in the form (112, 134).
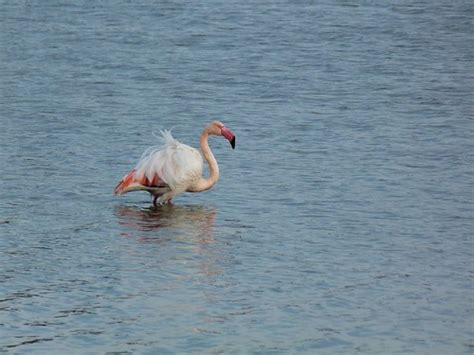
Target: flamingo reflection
(196, 222)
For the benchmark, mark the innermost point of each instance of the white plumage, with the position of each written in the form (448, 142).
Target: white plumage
(177, 165)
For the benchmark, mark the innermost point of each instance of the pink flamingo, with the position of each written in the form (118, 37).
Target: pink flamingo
(168, 170)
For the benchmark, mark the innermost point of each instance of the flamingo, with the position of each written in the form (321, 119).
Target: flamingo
(172, 168)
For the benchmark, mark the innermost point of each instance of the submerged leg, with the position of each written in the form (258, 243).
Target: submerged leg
(162, 198)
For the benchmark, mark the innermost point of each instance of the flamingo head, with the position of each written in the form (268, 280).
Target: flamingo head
(219, 129)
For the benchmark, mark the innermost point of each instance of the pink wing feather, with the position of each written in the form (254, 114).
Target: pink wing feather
(133, 181)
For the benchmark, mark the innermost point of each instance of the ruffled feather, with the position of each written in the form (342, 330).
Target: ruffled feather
(176, 164)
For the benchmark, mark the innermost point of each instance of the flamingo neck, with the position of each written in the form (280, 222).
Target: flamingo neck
(206, 184)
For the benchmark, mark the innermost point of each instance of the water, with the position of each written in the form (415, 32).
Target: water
(342, 223)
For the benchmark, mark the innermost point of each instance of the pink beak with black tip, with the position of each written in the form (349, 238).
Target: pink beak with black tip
(227, 133)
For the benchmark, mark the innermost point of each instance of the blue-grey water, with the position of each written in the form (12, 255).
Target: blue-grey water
(342, 223)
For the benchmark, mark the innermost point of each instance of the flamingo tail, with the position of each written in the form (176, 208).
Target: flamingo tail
(126, 183)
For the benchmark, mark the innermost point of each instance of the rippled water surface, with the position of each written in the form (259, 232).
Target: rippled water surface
(342, 223)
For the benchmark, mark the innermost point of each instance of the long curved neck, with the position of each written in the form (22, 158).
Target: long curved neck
(206, 184)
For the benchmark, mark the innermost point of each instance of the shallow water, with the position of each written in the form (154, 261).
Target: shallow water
(342, 223)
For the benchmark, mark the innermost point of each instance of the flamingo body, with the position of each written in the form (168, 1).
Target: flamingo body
(172, 168)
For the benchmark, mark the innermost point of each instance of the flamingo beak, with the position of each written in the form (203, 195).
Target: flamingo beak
(227, 133)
